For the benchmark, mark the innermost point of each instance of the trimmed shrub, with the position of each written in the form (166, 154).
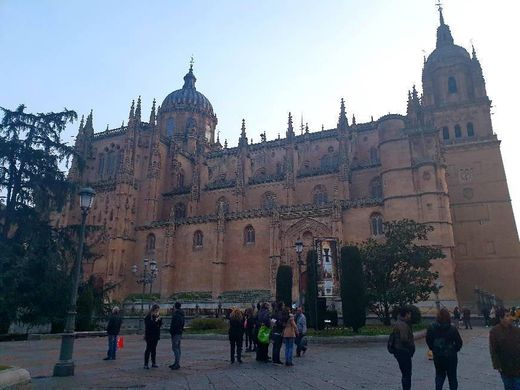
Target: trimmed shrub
(353, 296)
(284, 279)
(201, 324)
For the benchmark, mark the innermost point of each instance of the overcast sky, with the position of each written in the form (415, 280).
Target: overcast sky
(253, 60)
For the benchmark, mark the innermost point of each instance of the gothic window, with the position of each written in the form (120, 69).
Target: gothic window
(319, 197)
(101, 166)
(471, 130)
(279, 169)
(268, 200)
(458, 131)
(376, 189)
(180, 211)
(111, 164)
(190, 125)
(445, 133)
(249, 235)
(376, 224)
(452, 84)
(374, 157)
(150, 243)
(223, 200)
(328, 161)
(198, 238)
(170, 127)
(180, 180)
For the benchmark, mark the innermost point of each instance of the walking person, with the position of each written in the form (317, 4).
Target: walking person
(280, 317)
(456, 316)
(152, 334)
(485, 314)
(466, 317)
(301, 325)
(263, 326)
(493, 315)
(176, 329)
(401, 345)
(113, 328)
(444, 340)
(290, 332)
(236, 334)
(504, 345)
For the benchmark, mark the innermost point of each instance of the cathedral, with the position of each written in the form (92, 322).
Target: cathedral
(218, 221)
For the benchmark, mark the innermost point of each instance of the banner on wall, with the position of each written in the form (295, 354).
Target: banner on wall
(327, 267)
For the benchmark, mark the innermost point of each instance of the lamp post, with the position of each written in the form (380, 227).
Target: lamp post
(438, 286)
(65, 366)
(219, 310)
(148, 275)
(298, 246)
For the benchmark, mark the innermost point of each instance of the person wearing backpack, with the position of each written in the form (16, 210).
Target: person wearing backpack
(401, 345)
(444, 340)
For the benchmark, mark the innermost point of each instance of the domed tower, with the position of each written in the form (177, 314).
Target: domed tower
(186, 116)
(486, 248)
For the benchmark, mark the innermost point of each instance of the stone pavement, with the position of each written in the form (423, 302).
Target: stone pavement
(205, 365)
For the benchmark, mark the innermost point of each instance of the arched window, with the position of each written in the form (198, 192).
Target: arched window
(374, 156)
(191, 124)
(180, 180)
(445, 133)
(111, 164)
(150, 243)
(470, 129)
(170, 127)
(180, 211)
(268, 200)
(198, 238)
(329, 161)
(376, 224)
(452, 84)
(458, 131)
(225, 202)
(319, 197)
(376, 189)
(101, 166)
(249, 235)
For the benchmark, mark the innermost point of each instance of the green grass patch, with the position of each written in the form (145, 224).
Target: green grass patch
(4, 367)
(367, 330)
(208, 325)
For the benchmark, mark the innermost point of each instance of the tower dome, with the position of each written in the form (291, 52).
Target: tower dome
(187, 99)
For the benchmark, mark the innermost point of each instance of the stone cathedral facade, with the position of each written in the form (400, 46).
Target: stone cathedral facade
(219, 220)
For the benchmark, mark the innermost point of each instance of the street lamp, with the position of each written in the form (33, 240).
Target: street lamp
(438, 286)
(148, 275)
(65, 366)
(298, 246)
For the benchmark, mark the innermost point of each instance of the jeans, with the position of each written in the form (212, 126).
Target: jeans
(289, 344)
(405, 365)
(277, 346)
(151, 349)
(176, 348)
(511, 382)
(445, 366)
(112, 346)
(236, 344)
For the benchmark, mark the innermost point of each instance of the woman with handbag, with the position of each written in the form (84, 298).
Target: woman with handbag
(152, 334)
(264, 325)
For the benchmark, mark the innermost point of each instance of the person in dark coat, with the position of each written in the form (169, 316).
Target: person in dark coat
(176, 329)
(236, 334)
(466, 317)
(152, 334)
(264, 318)
(249, 325)
(444, 341)
(280, 317)
(403, 346)
(113, 328)
(456, 316)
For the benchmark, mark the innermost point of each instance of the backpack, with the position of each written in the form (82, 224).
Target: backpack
(442, 346)
(391, 343)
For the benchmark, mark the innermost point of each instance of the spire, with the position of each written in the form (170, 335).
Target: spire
(306, 128)
(138, 110)
(152, 114)
(243, 137)
(342, 121)
(353, 119)
(290, 130)
(81, 123)
(132, 108)
(190, 79)
(88, 123)
(302, 128)
(444, 37)
(123, 124)
(225, 144)
(415, 96)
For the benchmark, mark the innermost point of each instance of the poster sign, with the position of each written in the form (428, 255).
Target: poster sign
(327, 267)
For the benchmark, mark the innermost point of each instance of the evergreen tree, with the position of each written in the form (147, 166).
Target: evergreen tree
(311, 295)
(284, 284)
(353, 297)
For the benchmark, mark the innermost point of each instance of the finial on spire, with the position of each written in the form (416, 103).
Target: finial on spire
(353, 119)
(439, 7)
(122, 124)
(243, 137)
(290, 129)
(342, 121)
(88, 123)
(218, 136)
(82, 122)
(152, 113)
(306, 128)
(107, 127)
(444, 36)
(473, 51)
(225, 144)
(138, 109)
(302, 128)
(322, 127)
(192, 61)
(132, 108)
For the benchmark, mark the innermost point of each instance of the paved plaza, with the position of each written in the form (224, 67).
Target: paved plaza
(205, 365)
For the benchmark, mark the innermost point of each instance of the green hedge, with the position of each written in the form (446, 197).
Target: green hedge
(203, 324)
(140, 296)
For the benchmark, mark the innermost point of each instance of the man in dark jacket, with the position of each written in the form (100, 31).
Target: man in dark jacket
(113, 327)
(504, 345)
(444, 341)
(176, 329)
(403, 346)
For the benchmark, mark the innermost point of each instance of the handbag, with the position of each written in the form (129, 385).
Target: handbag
(263, 334)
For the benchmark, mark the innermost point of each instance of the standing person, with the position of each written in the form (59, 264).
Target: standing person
(504, 345)
(264, 319)
(249, 325)
(279, 319)
(176, 329)
(402, 346)
(301, 324)
(290, 331)
(456, 316)
(444, 340)
(493, 315)
(236, 334)
(113, 327)
(466, 318)
(152, 334)
(485, 314)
